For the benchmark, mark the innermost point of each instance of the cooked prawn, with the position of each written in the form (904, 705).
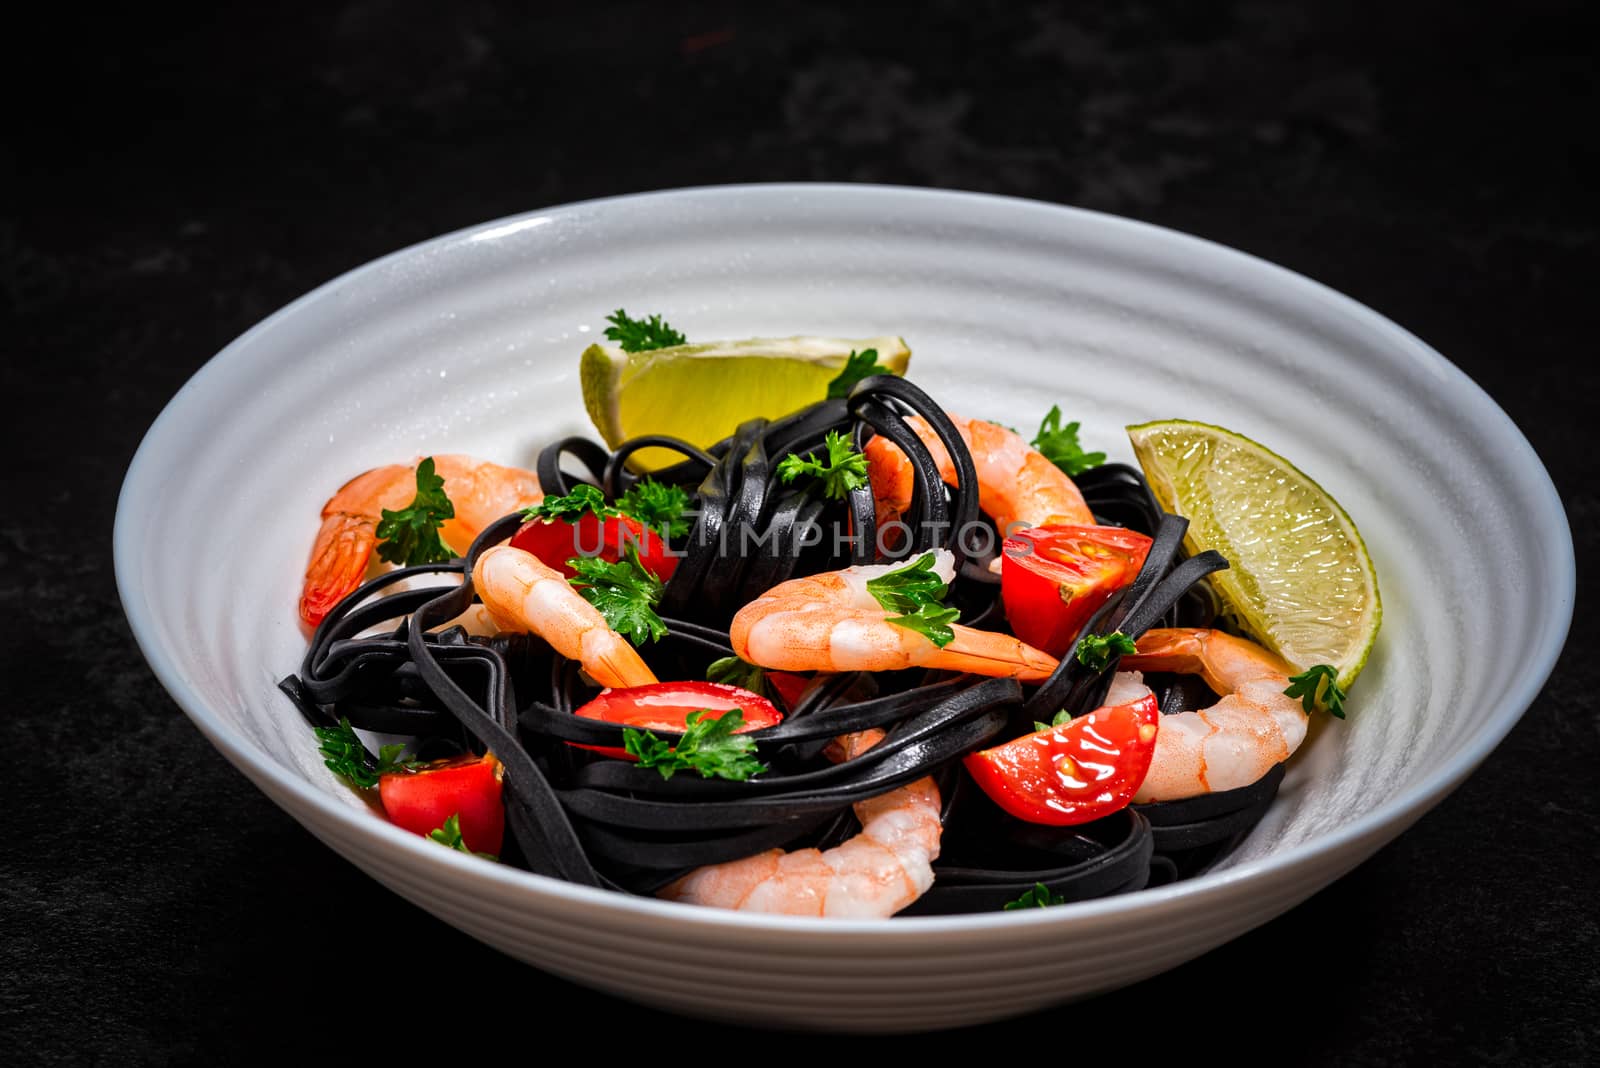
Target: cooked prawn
(523, 594)
(830, 622)
(1237, 740)
(480, 491)
(1016, 483)
(876, 873)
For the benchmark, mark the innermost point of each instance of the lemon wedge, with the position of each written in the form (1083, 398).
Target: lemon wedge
(702, 392)
(1301, 581)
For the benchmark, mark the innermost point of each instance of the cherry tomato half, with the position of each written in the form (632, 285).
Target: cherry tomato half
(1074, 773)
(665, 706)
(1052, 579)
(555, 541)
(790, 686)
(468, 787)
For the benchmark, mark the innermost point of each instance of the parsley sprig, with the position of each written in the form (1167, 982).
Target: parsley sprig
(346, 757)
(932, 622)
(1095, 650)
(449, 836)
(844, 469)
(1060, 445)
(709, 746)
(624, 592)
(571, 508)
(910, 587)
(1306, 684)
(658, 506)
(857, 365)
(641, 335)
(411, 535)
(1041, 896)
(918, 592)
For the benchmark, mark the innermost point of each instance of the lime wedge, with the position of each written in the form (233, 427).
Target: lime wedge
(1301, 581)
(701, 393)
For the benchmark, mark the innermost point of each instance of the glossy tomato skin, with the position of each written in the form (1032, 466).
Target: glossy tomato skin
(665, 706)
(555, 541)
(1074, 773)
(1052, 579)
(790, 686)
(468, 787)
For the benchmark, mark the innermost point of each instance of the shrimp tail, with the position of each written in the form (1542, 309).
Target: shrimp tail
(338, 560)
(522, 594)
(615, 663)
(985, 652)
(1172, 649)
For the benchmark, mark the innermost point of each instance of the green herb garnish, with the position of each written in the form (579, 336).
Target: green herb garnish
(1095, 650)
(641, 335)
(1041, 896)
(857, 365)
(571, 508)
(1306, 684)
(624, 592)
(411, 535)
(709, 746)
(909, 587)
(346, 757)
(733, 671)
(449, 836)
(917, 592)
(1060, 445)
(844, 470)
(1061, 717)
(932, 622)
(658, 506)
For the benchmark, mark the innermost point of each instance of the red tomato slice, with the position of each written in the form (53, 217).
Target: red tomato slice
(1052, 579)
(1074, 773)
(665, 706)
(468, 787)
(790, 687)
(555, 541)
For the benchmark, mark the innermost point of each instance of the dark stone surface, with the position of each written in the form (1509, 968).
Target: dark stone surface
(175, 177)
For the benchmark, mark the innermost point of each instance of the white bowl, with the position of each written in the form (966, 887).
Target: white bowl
(469, 343)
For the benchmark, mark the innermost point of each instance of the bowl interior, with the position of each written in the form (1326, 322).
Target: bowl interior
(470, 344)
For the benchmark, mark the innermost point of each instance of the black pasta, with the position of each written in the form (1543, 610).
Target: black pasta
(589, 819)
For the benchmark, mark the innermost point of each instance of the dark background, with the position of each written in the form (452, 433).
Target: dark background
(174, 177)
